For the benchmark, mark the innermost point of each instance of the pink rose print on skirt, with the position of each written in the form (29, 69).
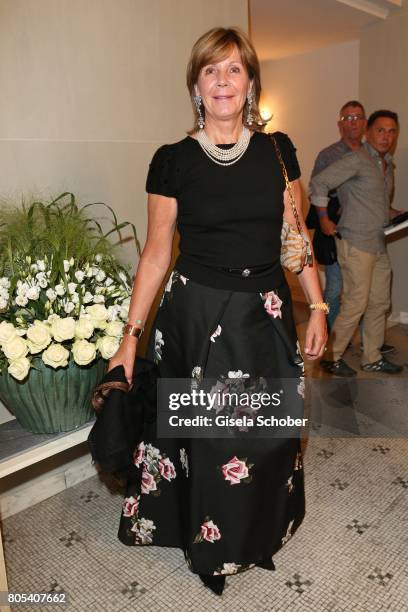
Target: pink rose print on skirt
(209, 532)
(166, 468)
(130, 506)
(272, 304)
(148, 481)
(139, 454)
(236, 471)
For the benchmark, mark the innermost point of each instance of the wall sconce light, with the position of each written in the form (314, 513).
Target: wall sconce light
(265, 114)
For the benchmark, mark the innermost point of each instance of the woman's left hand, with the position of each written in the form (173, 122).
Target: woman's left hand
(316, 335)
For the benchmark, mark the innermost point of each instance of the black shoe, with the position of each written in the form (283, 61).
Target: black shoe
(384, 349)
(267, 564)
(382, 365)
(338, 368)
(215, 583)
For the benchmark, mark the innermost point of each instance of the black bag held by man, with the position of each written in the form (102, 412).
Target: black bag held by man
(120, 416)
(324, 247)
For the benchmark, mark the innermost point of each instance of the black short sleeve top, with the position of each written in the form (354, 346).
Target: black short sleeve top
(227, 216)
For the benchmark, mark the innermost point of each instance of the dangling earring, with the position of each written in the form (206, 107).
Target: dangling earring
(250, 99)
(200, 119)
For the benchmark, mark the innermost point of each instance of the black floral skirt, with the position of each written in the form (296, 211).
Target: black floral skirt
(229, 504)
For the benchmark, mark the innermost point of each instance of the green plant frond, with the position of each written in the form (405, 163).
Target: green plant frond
(115, 219)
(56, 230)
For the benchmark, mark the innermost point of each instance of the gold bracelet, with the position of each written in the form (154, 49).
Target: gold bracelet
(133, 330)
(320, 306)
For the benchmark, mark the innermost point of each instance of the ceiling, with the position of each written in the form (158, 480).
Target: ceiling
(280, 28)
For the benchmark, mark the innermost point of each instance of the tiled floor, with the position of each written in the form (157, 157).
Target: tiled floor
(350, 554)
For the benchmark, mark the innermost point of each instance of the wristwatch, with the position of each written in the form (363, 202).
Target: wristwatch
(133, 330)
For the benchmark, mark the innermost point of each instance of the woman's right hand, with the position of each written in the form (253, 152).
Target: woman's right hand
(125, 356)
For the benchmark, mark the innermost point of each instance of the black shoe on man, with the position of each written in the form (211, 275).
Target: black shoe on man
(338, 368)
(382, 365)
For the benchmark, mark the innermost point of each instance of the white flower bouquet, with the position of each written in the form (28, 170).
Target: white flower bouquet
(63, 294)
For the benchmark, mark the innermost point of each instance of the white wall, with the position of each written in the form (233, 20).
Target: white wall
(305, 93)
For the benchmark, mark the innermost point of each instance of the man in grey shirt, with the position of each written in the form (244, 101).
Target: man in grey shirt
(352, 124)
(364, 180)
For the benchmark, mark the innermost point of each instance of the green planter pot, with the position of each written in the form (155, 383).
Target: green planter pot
(51, 401)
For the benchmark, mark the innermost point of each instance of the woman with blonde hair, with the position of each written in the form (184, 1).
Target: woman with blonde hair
(226, 313)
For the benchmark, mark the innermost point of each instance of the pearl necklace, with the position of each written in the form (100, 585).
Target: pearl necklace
(224, 157)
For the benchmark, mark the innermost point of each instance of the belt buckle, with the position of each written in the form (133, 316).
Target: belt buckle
(246, 272)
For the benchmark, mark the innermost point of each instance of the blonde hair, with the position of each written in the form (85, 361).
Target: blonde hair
(214, 46)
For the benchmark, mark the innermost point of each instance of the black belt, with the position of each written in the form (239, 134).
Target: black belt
(248, 271)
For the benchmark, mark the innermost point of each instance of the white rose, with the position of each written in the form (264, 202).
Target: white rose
(84, 328)
(38, 337)
(22, 287)
(59, 289)
(19, 368)
(88, 297)
(21, 300)
(98, 314)
(99, 299)
(41, 265)
(53, 317)
(15, 348)
(33, 293)
(51, 295)
(69, 307)
(109, 281)
(100, 276)
(7, 331)
(113, 312)
(114, 329)
(79, 275)
(124, 311)
(84, 352)
(4, 282)
(108, 346)
(34, 268)
(63, 329)
(3, 304)
(72, 287)
(75, 298)
(56, 356)
(42, 279)
(66, 265)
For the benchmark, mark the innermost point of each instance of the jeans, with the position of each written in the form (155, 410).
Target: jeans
(332, 292)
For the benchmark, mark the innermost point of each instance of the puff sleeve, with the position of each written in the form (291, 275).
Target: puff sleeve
(163, 174)
(288, 152)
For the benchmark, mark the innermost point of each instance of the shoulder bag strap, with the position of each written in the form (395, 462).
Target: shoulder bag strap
(288, 185)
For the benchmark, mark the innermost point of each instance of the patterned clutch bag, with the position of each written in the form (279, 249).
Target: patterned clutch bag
(296, 251)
